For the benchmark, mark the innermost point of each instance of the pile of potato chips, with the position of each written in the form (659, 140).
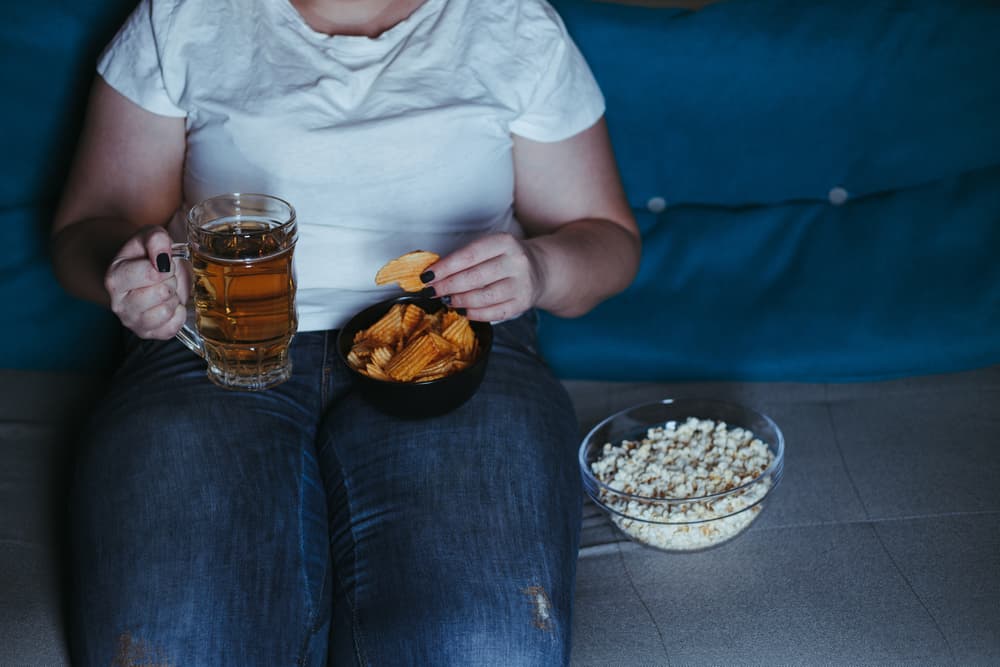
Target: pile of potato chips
(408, 344)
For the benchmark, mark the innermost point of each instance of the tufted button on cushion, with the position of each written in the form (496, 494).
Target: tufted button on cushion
(770, 102)
(838, 196)
(656, 205)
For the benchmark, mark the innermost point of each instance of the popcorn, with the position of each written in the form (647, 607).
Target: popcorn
(691, 485)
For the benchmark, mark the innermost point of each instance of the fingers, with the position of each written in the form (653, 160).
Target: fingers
(144, 298)
(128, 274)
(495, 302)
(158, 246)
(479, 251)
(476, 276)
(146, 294)
(154, 311)
(151, 241)
(162, 321)
(492, 278)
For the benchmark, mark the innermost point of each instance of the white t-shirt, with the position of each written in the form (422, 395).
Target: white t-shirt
(382, 145)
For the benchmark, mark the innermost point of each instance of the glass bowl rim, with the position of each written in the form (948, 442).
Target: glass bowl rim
(776, 465)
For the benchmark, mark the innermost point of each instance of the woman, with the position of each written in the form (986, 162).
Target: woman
(297, 525)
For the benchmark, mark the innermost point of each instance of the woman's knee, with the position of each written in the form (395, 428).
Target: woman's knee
(188, 514)
(522, 625)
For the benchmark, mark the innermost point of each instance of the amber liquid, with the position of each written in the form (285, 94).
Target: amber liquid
(244, 294)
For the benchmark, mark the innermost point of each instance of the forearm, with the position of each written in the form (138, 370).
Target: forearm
(82, 252)
(126, 176)
(582, 263)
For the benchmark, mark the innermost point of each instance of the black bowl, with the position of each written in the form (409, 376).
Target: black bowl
(415, 400)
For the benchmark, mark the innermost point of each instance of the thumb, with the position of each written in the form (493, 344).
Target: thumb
(158, 245)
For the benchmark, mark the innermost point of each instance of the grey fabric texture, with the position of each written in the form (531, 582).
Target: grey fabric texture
(880, 546)
(38, 411)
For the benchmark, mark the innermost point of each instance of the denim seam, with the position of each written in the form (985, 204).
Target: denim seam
(314, 620)
(313, 623)
(302, 539)
(324, 381)
(355, 623)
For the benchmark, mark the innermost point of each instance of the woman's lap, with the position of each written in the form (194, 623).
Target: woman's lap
(453, 540)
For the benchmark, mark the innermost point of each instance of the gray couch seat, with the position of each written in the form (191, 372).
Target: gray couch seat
(881, 545)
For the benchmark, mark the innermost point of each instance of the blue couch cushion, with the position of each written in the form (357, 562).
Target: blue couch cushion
(43, 327)
(47, 54)
(831, 177)
(772, 101)
(743, 117)
(902, 283)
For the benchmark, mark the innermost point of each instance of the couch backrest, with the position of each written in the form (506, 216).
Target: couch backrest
(816, 183)
(746, 103)
(47, 54)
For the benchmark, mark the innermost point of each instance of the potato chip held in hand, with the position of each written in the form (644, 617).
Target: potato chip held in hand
(406, 269)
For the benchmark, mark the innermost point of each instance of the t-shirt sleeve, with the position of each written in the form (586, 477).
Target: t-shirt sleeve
(565, 99)
(132, 63)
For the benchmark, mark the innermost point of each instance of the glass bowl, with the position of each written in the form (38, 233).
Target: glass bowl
(697, 495)
(416, 400)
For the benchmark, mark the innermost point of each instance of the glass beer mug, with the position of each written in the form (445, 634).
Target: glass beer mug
(240, 248)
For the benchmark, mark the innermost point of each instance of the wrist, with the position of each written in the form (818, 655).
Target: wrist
(538, 263)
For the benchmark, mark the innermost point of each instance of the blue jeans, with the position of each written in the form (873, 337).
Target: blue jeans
(298, 526)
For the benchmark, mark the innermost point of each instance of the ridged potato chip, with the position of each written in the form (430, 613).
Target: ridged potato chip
(408, 344)
(413, 358)
(460, 333)
(412, 316)
(406, 269)
(388, 329)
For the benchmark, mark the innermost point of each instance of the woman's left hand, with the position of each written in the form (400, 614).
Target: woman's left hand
(582, 242)
(494, 278)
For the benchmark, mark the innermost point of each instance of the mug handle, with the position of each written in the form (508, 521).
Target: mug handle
(187, 334)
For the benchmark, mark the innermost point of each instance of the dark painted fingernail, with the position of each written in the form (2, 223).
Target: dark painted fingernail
(446, 299)
(428, 292)
(163, 263)
(461, 311)
(427, 276)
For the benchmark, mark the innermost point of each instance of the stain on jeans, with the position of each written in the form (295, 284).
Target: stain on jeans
(542, 607)
(135, 653)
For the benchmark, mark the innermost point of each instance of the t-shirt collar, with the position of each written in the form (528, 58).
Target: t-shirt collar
(358, 44)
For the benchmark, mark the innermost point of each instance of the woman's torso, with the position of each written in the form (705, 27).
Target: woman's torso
(382, 145)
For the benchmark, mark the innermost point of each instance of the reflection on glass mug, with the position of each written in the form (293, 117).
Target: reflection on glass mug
(240, 248)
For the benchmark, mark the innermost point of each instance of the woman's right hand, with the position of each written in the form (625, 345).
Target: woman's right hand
(148, 290)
